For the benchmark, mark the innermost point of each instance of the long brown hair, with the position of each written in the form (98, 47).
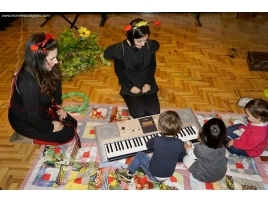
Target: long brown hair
(34, 62)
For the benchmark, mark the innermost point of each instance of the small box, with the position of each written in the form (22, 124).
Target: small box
(257, 61)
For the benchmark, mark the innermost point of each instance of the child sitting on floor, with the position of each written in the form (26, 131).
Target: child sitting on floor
(168, 150)
(207, 160)
(253, 137)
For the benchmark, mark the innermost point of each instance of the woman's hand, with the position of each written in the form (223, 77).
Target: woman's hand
(58, 126)
(135, 90)
(62, 113)
(230, 143)
(187, 145)
(146, 88)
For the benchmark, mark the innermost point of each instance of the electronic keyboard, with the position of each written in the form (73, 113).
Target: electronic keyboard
(124, 139)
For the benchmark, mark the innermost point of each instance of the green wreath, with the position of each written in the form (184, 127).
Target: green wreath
(76, 108)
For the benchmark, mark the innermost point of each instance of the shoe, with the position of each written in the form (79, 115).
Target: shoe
(16, 137)
(243, 101)
(124, 173)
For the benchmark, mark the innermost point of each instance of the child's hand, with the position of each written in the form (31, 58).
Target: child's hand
(230, 143)
(187, 145)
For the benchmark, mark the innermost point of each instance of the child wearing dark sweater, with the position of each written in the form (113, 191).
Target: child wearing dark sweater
(168, 150)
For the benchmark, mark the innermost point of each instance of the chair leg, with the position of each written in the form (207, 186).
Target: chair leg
(72, 23)
(75, 19)
(197, 16)
(103, 19)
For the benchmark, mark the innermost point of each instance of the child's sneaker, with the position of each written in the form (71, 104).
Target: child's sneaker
(124, 173)
(243, 101)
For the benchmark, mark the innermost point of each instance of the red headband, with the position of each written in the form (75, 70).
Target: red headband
(36, 46)
(142, 23)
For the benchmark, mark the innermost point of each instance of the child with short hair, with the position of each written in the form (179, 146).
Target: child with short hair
(253, 136)
(207, 160)
(168, 150)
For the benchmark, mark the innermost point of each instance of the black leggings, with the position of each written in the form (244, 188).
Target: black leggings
(145, 105)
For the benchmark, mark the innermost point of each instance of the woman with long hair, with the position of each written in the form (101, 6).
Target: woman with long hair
(36, 85)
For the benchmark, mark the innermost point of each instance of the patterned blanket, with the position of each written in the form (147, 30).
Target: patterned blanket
(68, 167)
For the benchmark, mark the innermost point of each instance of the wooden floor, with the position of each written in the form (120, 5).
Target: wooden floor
(199, 67)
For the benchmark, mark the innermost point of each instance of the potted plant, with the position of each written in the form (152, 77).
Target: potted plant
(80, 53)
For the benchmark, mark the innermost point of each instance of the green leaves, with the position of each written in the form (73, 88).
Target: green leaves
(79, 53)
(266, 93)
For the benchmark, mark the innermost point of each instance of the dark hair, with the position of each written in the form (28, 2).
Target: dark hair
(213, 133)
(137, 32)
(169, 123)
(34, 62)
(258, 108)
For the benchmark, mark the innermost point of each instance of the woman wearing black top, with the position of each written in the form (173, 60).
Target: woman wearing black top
(37, 83)
(135, 65)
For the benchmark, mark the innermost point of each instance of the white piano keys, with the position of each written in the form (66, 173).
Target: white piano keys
(125, 149)
(130, 146)
(115, 153)
(109, 150)
(134, 146)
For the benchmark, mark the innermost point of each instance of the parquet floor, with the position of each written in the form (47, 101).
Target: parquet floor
(203, 68)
